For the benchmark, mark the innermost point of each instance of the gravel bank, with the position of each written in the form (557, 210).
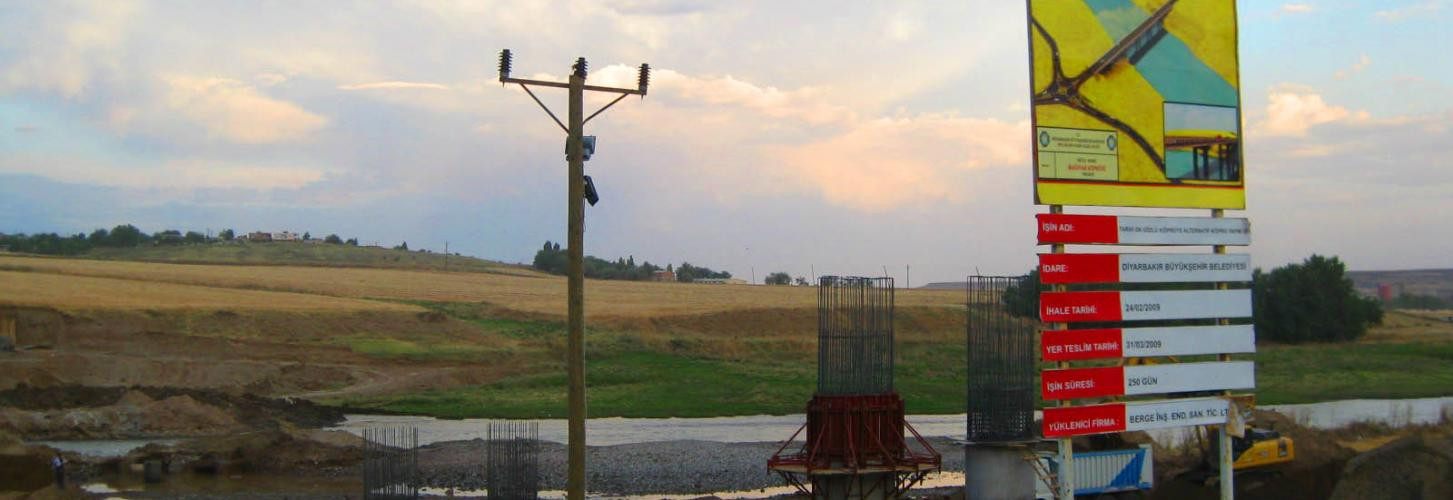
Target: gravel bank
(665, 467)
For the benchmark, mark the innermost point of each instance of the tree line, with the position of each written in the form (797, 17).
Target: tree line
(1310, 301)
(551, 258)
(122, 236)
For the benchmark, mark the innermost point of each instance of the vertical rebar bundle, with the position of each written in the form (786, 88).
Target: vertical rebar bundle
(391, 462)
(854, 336)
(512, 460)
(1002, 357)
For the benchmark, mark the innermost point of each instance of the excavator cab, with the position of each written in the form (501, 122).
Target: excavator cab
(1261, 448)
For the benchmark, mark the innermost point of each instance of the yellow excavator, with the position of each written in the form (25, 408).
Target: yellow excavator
(1259, 448)
(1256, 450)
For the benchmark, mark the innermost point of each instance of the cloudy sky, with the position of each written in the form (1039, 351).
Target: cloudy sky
(835, 137)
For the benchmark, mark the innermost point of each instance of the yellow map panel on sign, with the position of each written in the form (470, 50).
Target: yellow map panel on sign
(1136, 103)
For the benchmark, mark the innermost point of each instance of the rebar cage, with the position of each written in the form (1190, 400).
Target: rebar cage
(391, 462)
(512, 460)
(1002, 353)
(854, 336)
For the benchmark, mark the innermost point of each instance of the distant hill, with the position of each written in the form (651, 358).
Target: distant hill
(945, 285)
(305, 254)
(1432, 282)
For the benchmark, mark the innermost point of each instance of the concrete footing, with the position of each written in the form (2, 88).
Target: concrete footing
(997, 473)
(854, 487)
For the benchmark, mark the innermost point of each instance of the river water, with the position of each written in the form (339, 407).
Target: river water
(758, 428)
(761, 428)
(614, 431)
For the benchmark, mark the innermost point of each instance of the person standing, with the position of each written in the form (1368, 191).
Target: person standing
(59, 464)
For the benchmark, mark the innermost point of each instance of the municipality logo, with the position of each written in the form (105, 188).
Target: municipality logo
(1043, 139)
(1110, 142)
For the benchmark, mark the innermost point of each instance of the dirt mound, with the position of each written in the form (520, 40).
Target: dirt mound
(1313, 474)
(75, 412)
(23, 468)
(283, 450)
(136, 416)
(1413, 467)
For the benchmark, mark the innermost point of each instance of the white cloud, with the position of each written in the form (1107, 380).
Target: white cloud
(180, 175)
(806, 103)
(794, 141)
(270, 79)
(1361, 64)
(887, 163)
(1296, 8)
(1291, 111)
(1417, 9)
(64, 46)
(237, 112)
(901, 27)
(394, 85)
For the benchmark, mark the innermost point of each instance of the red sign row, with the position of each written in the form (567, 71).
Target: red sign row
(1098, 382)
(1137, 416)
(1061, 268)
(1109, 343)
(1130, 230)
(1100, 306)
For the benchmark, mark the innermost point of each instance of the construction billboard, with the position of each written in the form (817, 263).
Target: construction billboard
(1136, 103)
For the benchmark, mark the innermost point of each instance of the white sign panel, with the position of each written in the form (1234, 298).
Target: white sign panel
(1187, 340)
(1183, 231)
(1185, 304)
(1167, 268)
(1144, 416)
(1188, 377)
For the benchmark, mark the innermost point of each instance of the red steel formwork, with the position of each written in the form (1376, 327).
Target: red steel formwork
(856, 436)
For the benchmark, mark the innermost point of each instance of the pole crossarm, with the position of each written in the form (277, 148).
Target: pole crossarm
(525, 84)
(559, 85)
(546, 108)
(603, 108)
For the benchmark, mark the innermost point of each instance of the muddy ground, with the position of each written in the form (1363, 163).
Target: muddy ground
(1411, 463)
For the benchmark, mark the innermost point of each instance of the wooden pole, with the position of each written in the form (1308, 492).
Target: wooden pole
(1066, 445)
(1228, 472)
(575, 482)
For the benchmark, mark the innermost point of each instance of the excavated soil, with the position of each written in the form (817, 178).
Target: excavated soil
(1417, 465)
(1413, 467)
(76, 412)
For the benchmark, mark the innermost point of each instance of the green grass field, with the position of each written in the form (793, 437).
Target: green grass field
(1311, 373)
(492, 344)
(645, 384)
(627, 379)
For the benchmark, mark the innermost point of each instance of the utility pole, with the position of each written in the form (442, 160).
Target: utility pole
(446, 256)
(579, 189)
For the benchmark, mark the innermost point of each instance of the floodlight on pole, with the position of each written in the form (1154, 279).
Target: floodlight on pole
(581, 189)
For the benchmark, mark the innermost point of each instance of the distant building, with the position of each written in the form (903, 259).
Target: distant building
(257, 237)
(720, 281)
(664, 276)
(287, 236)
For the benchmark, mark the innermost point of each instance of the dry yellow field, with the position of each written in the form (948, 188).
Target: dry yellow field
(543, 295)
(84, 292)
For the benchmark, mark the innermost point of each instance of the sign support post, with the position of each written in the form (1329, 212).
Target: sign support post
(1228, 475)
(1066, 444)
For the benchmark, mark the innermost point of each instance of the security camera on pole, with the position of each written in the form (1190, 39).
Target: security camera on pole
(578, 149)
